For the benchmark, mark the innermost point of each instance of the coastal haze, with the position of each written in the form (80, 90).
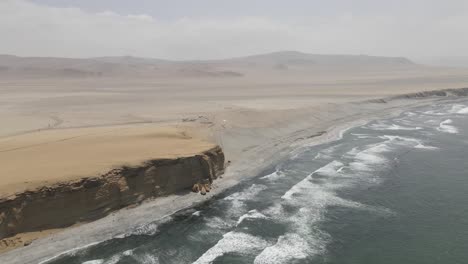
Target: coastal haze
(112, 113)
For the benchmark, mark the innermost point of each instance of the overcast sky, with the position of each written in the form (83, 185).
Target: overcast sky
(202, 29)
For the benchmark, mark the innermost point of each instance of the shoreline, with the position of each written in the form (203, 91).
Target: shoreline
(130, 219)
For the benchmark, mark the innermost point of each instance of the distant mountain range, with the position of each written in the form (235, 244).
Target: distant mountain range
(234, 67)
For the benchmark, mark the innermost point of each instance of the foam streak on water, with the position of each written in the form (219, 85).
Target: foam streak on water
(232, 242)
(445, 126)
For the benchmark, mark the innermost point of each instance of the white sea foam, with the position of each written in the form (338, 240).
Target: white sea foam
(352, 152)
(405, 140)
(252, 214)
(311, 199)
(304, 186)
(305, 203)
(371, 158)
(147, 259)
(341, 169)
(459, 109)
(370, 154)
(217, 223)
(364, 160)
(246, 194)
(237, 207)
(196, 213)
(421, 146)
(434, 113)
(326, 153)
(318, 195)
(302, 241)
(289, 247)
(112, 260)
(383, 126)
(407, 122)
(445, 126)
(96, 261)
(432, 122)
(273, 176)
(463, 111)
(237, 199)
(233, 242)
(330, 169)
(318, 156)
(368, 159)
(361, 136)
(454, 109)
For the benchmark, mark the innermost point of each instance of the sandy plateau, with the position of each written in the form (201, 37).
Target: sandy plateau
(32, 160)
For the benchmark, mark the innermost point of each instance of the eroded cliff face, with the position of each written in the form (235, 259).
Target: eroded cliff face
(88, 199)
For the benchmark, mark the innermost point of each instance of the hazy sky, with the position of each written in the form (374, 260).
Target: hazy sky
(194, 29)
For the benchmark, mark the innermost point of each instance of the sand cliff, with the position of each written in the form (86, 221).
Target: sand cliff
(68, 203)
(74, 186)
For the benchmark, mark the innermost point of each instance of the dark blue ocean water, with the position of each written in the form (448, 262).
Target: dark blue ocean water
(392, 191)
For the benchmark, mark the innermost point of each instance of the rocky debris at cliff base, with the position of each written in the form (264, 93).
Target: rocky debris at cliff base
(202, 188)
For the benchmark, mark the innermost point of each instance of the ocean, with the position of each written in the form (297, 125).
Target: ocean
(391, 191)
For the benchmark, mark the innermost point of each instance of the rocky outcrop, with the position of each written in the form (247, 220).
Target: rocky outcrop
(65, 204)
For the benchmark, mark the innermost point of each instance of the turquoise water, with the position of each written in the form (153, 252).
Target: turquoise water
(392, 191)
